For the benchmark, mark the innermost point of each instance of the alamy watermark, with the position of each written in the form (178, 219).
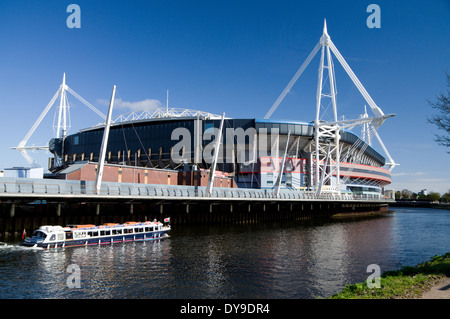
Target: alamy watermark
(374, 19)
(236, 145)
(374, 280)
(74, 279)
(74, 19)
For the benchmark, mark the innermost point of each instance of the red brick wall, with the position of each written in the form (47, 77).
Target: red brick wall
(121, 174)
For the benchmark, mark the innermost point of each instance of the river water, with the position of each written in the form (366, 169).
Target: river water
(296, 260)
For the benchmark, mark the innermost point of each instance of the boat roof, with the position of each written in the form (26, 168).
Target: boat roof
(56, 228)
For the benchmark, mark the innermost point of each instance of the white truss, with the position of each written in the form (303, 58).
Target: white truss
(162, 113)
(326, 152)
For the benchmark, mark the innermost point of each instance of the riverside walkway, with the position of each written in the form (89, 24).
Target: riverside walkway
(59, 189)
(27, 203)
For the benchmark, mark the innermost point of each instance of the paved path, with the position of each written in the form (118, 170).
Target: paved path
(440, 291)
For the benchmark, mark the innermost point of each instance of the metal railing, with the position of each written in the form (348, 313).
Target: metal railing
(24, 187)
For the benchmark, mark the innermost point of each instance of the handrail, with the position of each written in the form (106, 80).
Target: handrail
(24, 186)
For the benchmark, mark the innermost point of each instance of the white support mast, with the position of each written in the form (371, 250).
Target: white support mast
(281, 170)
(62, 119)
(325, 165)
(62, 109)
(292, 82)
(327, 134)
(167, 103)
(101, 160)
(212, 171)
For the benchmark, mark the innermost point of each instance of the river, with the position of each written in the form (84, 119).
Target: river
(296, 260)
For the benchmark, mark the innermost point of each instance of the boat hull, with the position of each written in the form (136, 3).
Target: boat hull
(148, 236)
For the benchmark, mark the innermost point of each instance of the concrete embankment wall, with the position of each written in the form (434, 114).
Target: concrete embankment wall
(15, 217)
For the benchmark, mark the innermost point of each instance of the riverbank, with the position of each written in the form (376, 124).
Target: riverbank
(427, 280)
(421, 204)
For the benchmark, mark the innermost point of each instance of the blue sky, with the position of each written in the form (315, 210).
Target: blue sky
(228, 56)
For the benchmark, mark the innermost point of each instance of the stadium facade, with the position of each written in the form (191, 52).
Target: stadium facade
(251, 150)
(317, 156)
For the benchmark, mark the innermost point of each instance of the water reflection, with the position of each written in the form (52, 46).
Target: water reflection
(328, 259)
(271, 260)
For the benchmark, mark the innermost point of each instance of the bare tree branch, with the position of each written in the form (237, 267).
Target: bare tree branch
(442, 120)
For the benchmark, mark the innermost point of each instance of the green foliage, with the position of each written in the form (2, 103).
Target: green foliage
(408, 282)
(446, 197)
(434, 196)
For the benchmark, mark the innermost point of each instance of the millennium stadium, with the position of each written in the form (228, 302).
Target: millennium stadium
(176, 146)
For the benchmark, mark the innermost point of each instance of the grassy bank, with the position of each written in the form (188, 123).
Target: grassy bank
(406, 283)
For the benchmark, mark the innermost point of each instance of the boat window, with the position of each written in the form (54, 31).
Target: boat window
(53, 237)
(79, 234)
(39, 234)
(60, 236)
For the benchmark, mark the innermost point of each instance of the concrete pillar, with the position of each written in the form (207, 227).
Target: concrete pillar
(12, 210)
(97, 209)
(58, 210)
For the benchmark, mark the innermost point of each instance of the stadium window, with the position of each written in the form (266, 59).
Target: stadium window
(208, 125)
(291, 127)
(274, 128)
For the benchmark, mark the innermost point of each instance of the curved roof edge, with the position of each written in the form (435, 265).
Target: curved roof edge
(161, 113)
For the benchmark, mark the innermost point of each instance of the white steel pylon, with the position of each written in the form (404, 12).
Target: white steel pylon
(327, 134)
(63, 110)
(61, 128)
(366, 133)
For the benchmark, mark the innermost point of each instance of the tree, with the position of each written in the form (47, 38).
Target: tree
(422, 197)
(446, 197)
(442, 120)
(434, 196)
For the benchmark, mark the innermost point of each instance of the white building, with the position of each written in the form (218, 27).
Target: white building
(24, 172)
